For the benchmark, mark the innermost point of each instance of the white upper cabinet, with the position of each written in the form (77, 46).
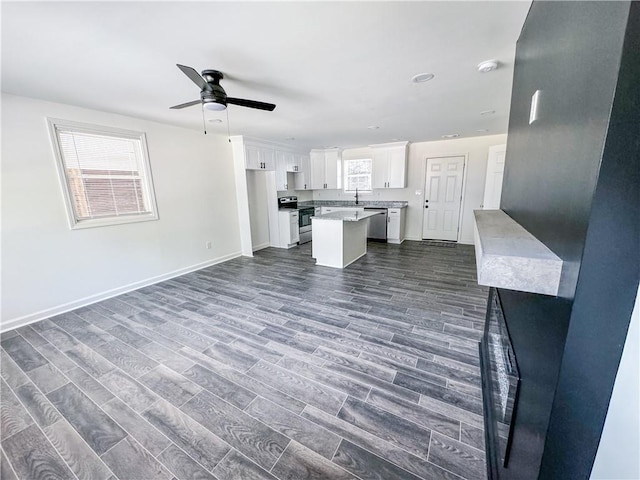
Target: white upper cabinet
(325, 169)
(281, 171)
(252, 158)
(389, 165)
(258, 157)
(291, 162)
(317, 169)
(332, 169)
(303, 175)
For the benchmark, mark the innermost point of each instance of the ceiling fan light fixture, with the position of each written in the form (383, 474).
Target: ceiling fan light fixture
(214, 106)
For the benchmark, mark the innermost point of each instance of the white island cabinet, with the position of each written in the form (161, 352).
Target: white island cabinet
(340, 238)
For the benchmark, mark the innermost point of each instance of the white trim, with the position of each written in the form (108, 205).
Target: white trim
(261, 246)
(145, 167)
(82, 302)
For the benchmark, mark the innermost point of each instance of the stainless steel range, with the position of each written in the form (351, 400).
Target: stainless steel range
(304, 218)
(304, 221)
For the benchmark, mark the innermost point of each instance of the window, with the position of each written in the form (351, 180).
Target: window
(357, 174)
(105, 174)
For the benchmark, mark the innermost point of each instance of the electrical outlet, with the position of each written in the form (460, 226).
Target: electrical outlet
(418, 193)
(208, 245)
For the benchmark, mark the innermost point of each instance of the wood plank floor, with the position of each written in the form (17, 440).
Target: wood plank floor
(258, 368)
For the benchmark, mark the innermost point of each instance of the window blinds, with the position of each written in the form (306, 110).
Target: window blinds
(104, 174)
(358, 174)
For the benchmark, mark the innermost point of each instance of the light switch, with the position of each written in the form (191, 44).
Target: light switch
(534, 113)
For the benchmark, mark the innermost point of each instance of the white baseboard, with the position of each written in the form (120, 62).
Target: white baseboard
(261, 246)
(83, 302)
(462, 241)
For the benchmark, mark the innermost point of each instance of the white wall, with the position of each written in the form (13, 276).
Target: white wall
(476, 149)
(619, 450)
(48, 268)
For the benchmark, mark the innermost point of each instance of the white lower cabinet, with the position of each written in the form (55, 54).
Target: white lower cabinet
(288, 227)
(395, 225)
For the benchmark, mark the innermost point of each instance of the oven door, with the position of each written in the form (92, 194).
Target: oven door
(304, 220)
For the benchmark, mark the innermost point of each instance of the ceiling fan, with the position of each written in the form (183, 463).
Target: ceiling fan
(212, 95)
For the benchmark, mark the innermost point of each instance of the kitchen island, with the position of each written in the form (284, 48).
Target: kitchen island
(339, 238)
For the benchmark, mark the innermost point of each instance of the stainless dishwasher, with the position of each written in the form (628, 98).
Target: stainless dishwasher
(377, 225)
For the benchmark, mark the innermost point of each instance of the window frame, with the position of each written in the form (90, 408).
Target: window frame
(344, 174)
(56, 124)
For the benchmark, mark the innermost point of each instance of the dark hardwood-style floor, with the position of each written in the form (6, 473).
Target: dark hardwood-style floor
(258, 368)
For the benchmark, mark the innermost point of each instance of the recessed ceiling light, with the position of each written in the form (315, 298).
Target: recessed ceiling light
(487, 66)
(488, 112)
(451, 135)
(395, 139)
(422, 77)
(214, 120)
(373, 127)
(291, 139)
(482, 130)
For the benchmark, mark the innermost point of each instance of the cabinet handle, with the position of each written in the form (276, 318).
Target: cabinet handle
(305, 186)
(286, 186)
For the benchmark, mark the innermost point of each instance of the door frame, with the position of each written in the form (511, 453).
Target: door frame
(462, 193)
(492, 150)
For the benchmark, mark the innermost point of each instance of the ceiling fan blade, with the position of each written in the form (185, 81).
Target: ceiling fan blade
(194, 76)
(251, 103)
(184, 105)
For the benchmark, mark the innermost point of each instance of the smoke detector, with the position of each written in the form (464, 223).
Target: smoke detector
(487, 66)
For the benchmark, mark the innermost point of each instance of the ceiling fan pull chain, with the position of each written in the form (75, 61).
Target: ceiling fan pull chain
(228, 130)
(204, 125)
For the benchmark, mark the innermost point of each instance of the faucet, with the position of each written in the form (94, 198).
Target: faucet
(357, 197)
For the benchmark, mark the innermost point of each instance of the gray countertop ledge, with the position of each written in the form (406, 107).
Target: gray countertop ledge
(346, 216)
(347, 203)
(508, 256)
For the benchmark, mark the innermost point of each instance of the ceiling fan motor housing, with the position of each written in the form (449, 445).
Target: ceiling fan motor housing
(212, 76)
(212, 95)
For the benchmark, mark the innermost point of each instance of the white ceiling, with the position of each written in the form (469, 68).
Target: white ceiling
(332, 68)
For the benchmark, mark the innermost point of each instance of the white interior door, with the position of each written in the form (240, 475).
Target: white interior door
(443, 197)
(495, 172)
